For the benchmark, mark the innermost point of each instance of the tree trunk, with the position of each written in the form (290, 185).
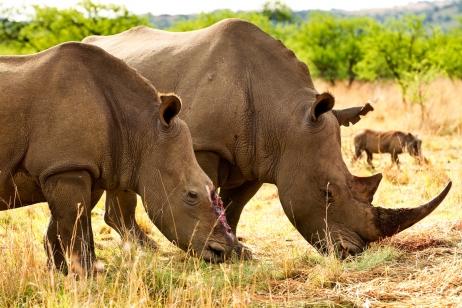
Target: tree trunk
(351, 79)
(423, 109)
(404, 89)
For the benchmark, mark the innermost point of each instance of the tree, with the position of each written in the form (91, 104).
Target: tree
(445, 52)
(397, 50)
(277, 11)
(333, 44)
(9, 31)
(279, 31)
(50, 26)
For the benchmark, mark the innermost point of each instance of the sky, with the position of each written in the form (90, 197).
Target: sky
(158, 7)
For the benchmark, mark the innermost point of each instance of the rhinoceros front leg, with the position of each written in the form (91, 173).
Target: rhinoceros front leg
(120, 215)
(235, 199)
(70, 233)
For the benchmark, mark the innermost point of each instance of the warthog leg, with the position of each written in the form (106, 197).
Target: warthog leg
(120, 215)
(394, 158)
(69, 232)
(369, 158)
(358, 153)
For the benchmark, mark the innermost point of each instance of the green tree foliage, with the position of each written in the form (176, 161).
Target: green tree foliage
(336, 48)
(9, 33)
(207, 19)
(446, 50)
(333, 45)
(273, 13)
(281, 31)
(399, 50)
(277, 11)
(50, 26)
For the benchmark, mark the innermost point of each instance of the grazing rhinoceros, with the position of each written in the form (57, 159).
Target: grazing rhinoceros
(392, 142)
(76, 121)
(256, 117)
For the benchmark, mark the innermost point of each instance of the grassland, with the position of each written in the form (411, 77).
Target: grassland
(421, 266)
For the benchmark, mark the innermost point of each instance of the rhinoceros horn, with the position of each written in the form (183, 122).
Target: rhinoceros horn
(391, 221)
(352, 115)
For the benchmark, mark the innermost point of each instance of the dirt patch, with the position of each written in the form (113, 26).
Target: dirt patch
(457, 226)
(417, 243)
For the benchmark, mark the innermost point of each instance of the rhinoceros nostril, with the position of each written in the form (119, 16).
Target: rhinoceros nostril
(218, 251)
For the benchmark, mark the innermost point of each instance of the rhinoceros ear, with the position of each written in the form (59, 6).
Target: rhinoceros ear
(324, 102)
(169, 108)
(364, 188)
(352, 115)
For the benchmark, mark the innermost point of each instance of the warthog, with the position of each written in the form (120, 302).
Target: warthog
(76, 121)
(269, 125)
(393, 142)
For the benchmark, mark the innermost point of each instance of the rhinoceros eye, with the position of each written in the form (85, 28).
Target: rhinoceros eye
(191, 198)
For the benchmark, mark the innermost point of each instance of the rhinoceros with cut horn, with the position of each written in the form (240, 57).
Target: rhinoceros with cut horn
(76, 121)
(256, 117)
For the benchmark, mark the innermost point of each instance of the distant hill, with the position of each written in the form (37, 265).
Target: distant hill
(438, 13)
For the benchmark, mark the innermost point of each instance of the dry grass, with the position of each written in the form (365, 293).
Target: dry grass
(421, 266)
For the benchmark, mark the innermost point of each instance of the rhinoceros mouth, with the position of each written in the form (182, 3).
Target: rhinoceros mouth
(340, 241)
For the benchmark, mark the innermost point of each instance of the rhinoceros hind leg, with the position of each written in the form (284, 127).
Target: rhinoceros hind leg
(120, 215)
(69, 232)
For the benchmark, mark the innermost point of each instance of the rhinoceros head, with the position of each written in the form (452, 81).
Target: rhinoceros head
(179, 196)
(323, 200)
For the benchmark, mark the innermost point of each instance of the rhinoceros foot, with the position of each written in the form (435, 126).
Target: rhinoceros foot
(137, 235)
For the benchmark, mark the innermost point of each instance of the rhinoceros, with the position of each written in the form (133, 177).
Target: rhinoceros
(270, 125)
(76, 121)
